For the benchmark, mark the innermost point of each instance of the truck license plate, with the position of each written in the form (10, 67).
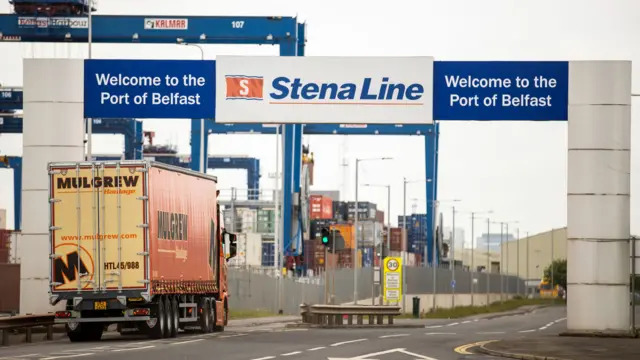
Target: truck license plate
(100, 305)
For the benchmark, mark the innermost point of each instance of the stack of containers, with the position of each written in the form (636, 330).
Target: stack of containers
(314, 256)
(266, 221)
(416, 237)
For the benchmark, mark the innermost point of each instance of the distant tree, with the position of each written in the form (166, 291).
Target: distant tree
(559, 268)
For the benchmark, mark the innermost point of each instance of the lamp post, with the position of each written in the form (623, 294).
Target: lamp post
(473, 248)
(355, 225)
(203, 160)
(373, 284)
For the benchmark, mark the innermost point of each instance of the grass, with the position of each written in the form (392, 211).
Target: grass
(248, 314)
(497, 307)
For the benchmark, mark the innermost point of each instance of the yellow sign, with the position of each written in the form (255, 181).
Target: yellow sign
(392, 282)
(98, 240)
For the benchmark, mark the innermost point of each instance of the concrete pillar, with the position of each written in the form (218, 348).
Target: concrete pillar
(53, 131)
(598, 201)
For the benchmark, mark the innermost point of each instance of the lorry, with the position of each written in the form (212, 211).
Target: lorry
(139, 244)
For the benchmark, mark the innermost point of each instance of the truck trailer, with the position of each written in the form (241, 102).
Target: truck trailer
(139, 244)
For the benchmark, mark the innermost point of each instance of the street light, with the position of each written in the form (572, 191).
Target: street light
(502, 250)
(203, 160)
(355, 225)
(452, 258)
(473, 247)
(373, 284)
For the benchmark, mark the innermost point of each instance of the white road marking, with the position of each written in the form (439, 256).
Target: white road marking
(476, 320)
(185, 342)
(433, 327)
(230, 336)
(65, 356)
(265, 358)
(560, 320)
(466, 322)
(138, 348)
(453, 324)
(490, 333)
(292, 353)
(317, 348)
(391, 336)
(418, 356)
(289, 330)
(404, 351)
(21, 356)
(440, 333)
(347, 342)
(527, 331)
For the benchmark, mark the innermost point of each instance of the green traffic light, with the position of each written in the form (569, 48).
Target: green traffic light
(325, 240)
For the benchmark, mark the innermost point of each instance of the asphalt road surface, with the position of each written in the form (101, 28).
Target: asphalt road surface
(448, 340)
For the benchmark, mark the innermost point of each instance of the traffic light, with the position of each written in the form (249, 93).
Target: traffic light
(325, 237)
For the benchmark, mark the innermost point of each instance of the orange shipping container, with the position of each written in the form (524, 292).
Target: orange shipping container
(321, 207)
(348, 233)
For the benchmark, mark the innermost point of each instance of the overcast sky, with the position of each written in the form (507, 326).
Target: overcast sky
(517, 169)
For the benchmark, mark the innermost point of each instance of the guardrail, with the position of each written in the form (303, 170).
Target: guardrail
(9, 325)
(334, 315)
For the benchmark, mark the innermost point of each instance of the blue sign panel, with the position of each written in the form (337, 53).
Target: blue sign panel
(149, 89)
(501, 90)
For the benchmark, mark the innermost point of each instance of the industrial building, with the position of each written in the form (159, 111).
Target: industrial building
(529, 257)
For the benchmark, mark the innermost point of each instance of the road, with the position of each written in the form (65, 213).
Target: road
(267, 342)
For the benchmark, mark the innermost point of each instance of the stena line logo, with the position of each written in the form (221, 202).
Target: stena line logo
(296, 91)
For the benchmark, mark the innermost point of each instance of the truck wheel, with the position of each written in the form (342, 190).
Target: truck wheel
(176, 316)
(157, 331)
(76, 333)
(95, 331)
(212, 315)
(205, 318)
(168, 313)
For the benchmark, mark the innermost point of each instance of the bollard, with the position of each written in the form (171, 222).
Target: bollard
(416, 307)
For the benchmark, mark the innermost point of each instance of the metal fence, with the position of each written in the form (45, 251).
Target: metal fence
(253, 288)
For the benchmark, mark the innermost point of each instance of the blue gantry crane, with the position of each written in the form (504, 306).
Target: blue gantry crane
(67, 21)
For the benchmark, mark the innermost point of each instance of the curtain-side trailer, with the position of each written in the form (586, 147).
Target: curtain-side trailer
(138, 244)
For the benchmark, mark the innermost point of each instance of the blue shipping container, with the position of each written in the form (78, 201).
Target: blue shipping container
(268, 254)
(367, 257)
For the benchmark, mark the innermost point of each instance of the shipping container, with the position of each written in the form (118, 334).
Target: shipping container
(340, 211)
(243, 221)
(159, 238)
(398, 241)
(10, 295)
(5, 246)
(380, 217)
(268, 254)
(368, 254)
(348, 234)
(370, 233)
(321, 207)
(366, 210)
(249, 248)
(265, 221)
(315, 227)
